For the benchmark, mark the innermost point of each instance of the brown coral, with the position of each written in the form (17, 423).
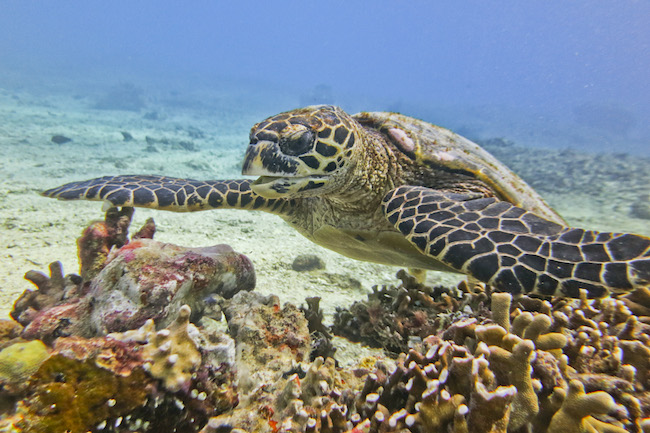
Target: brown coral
(99, 237)
(73, 395)
(392, 316)
(50, 291)
(576, 415)
(170, 354)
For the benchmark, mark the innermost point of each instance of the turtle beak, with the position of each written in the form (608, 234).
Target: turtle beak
(264, 158)
(280, 175)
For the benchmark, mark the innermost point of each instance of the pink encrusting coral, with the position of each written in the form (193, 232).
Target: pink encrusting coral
(146, 279)
(139, 280)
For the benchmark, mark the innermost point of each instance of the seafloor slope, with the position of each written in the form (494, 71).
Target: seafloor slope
(205, 139)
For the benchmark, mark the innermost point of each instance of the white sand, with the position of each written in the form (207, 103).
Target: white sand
(35, 231)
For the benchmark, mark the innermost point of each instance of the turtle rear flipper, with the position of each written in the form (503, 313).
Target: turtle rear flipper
(169, 193)
(515, 250)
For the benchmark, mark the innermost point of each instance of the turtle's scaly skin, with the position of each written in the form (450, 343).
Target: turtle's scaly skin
(514, 250)
(171, 194)
(387, 188)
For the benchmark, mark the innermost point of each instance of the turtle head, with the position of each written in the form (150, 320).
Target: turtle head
(300, 153)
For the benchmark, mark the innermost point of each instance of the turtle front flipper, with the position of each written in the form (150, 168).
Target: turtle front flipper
(171, 194)
(515, 250)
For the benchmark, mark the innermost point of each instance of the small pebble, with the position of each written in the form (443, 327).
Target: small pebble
(307, 262)
(60, 139)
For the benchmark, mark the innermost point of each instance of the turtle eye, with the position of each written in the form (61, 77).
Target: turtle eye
(297, 144)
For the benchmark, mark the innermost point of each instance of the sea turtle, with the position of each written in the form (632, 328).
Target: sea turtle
(388, 188)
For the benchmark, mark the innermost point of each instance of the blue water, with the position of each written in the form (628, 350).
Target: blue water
(544, 73)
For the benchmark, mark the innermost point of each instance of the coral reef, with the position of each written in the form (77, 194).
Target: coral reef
(185, 358)
(602, 174)
(460, 359)
(50, 291)
(393, 317)
(124, 283)
(578, 409)
(145, 379)
(563, 365)
(58, 305)
(9, 330)
(512, 378)
(76, 395)
(269, 336)
(170, 354)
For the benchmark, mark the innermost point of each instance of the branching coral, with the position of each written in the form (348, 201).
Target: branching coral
(170, 354)
(100, 237)
(321, 339)
(392, 316)
(195, 364)
(50, 291)
(519, 362)
(576, 415)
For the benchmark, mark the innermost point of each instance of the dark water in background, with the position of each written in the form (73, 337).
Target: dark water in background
(571, 74)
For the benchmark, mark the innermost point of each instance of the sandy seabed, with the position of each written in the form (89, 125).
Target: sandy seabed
(35, 231)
